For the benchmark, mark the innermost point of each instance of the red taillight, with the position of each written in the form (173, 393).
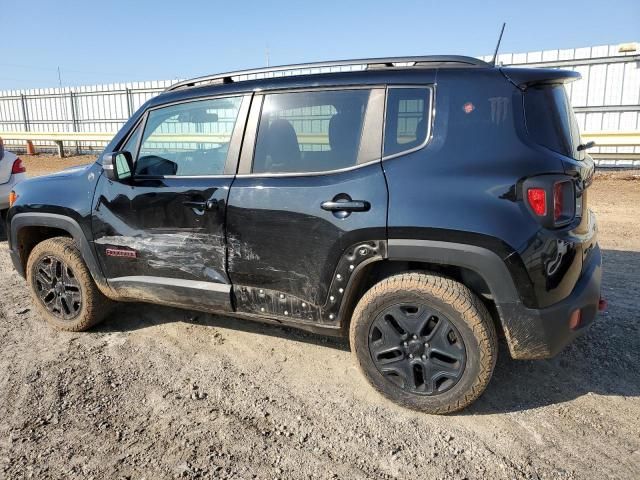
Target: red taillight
(557, 200)
(564, 202)
(538, 201)
(18, 167)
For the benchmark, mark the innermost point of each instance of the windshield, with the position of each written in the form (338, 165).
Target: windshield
(550, 120)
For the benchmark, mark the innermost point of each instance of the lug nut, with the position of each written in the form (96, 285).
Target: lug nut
(405, 344)
(415, 337)
(304, 304)
(331, 316)
(341, 290)
(351, 267)
(262, 309)
(411, 355)
(426, 345)
(363, 251)
(339, 277)
(332, 298)
(282, 295)
(286, 312)
(424, 357)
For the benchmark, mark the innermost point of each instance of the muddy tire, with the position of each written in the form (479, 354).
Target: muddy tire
(61, 286)
(424, 341)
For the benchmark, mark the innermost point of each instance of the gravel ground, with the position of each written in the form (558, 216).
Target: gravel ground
(161, 393)
(43, 164)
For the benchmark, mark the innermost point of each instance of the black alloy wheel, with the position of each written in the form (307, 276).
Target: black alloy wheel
(57, 288)
(417, 348)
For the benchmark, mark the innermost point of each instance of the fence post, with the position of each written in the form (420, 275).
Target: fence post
(60, 148)
(74, 118)
(129, 103)
(25, 112)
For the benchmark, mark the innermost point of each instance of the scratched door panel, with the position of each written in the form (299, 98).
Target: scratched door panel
(311, 189)
(281, 240)
(156, 228)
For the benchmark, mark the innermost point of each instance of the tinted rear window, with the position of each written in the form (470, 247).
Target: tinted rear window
(550, 119)
(406, 123)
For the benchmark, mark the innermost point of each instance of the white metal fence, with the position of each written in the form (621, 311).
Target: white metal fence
(606, 99)
(95, 108)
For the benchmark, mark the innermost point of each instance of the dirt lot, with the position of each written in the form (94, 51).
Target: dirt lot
(43, 164)
(162, 393)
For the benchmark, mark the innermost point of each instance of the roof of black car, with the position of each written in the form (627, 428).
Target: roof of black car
(433, 61)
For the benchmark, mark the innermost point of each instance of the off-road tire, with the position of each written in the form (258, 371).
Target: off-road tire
(94, 306)
(464, 310)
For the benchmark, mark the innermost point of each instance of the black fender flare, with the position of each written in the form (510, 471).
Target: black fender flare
(62, 222)
(486, 263)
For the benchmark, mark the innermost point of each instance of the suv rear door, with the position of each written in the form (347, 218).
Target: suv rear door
(160, 234)
(310, 191)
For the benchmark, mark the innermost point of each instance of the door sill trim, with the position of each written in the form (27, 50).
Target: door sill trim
(173, 282)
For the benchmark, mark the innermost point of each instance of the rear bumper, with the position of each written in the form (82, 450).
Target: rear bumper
(542, 333)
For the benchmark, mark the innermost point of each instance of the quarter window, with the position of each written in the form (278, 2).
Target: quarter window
(407, 119)
(310, 131)
(188, 138)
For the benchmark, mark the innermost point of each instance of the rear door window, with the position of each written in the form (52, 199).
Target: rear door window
(407, 122)
(310, 131)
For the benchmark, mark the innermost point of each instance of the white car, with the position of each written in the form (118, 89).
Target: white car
(12, 171)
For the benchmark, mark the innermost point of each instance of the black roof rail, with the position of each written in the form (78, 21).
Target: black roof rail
(367, 63)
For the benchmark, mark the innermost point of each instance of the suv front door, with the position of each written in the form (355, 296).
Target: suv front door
(309, 203)
(159, 235)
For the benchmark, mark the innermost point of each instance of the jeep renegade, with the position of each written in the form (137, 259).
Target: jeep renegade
(421, 206)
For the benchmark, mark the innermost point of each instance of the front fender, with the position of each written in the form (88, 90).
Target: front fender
(61, 222)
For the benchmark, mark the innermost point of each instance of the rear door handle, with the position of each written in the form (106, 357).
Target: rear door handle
(346, 206)
(208, 205)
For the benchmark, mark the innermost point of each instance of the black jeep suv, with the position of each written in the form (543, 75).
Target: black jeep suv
(419, 205)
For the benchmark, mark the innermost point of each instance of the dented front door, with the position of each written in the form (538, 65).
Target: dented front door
(160, 236)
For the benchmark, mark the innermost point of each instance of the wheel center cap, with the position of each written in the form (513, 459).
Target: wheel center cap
(416, 348)
(59, 288)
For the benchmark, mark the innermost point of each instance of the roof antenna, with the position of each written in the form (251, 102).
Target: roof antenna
(495, 54)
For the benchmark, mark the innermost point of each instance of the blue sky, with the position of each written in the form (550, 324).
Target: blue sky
(129, 40)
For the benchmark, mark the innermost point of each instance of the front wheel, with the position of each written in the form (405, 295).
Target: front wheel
(62, 288)
(424, 341)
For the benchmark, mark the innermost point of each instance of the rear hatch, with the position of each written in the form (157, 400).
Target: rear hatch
(551, 123)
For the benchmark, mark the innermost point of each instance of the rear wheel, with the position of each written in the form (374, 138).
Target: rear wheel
(62, 288)
(424, 341)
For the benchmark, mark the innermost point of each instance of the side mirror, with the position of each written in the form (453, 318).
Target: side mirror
(117, 165)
